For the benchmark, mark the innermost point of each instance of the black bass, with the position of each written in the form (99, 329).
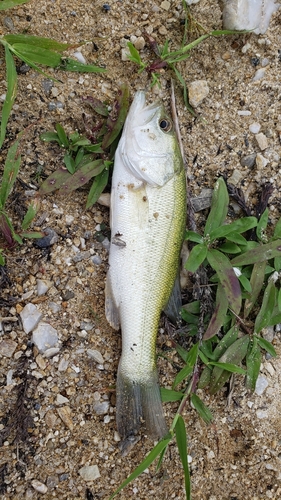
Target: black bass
(148, 215)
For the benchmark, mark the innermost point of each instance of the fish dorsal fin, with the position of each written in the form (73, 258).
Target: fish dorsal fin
(111, 310)
(172, 309)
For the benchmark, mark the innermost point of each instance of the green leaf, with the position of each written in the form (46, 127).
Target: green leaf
(50, 137)
(11, 77)
(69, 64)
(218, 316)
(219, 207)
(134, 54)
(196, 257)
(262, 224)
(192, 236)
(185, 372)
(155, 452)
(202, 409)
(11, 170)
(37, 41)
(79, 157)
(228, 339)
(97, 188)
(33, 234)
(82, 176)
(182, 447)
(189, 318)
(259, 254)
(230, 247)
(116, 119)
(62, 135)
(239, 226)
(267, 346)
(233, 355)
(205, 377)
(256, 282)
(253, 363)
(69, 163)
(228, 367)
(36, 54)
(237, 238)
(228, 279)
(2, 258)
(266, 310)
(181, 352)
(192, 307)
(55, 181)
(168, 395)
(277, 229)
(30, 214)
(245, 283)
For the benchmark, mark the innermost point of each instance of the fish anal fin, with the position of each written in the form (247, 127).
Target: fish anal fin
(111, 310)
(172, 309)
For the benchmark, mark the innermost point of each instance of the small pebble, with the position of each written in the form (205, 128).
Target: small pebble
(261, 414)
(89, 472)
(49, 353)
(79, 56)
(125, 54)
(197, 92)
(7, 348)
(139, 43)
(106, 7)
(47, 85)
(261, 385)
(259, 74)
(44, 336)
(63, 364)
(96, 356)
(65, 414)
(69, 219)
(254, 128)
(96, 259)
(261, 161)
(50, 239)
(104, 199)
(38, 486)
(268, 333)
(61, 400)
(165, 5)
(269, 368)
(101, 408)
(30, 317)
(43, 286)
(55, 308)
(262, 141)
(9, 23)
(244, 112)
(248, 161)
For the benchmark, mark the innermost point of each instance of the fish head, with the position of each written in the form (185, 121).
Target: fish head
(148, 145)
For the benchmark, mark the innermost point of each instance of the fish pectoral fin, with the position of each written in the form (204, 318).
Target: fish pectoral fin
(111, 310)
(172, 309)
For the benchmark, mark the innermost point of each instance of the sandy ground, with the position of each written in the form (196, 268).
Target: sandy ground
(47, 415)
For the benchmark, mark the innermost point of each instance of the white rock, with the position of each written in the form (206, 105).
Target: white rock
(38, 486)
(254, 128)
(165, 5)
(7, 348)
(125, 54)
(248, 14)
(259, 74)
(79, 56)
(49, 353)
(89, 472)
(30, 317)
(262, 141)
(43, 286)
(269, 368)
(261, 414)
(190, 2)
(139, 43)
(261, 385)
(96, 356)
(197, 91)
(210, 455)
(69, 219)
(44, 336)
(101, 408)
(104, 199)
(61, 400)
(244, 112)
(261, 161)
(63, 364)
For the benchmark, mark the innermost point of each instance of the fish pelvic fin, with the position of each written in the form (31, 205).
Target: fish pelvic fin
(138, 403)
(111, 310)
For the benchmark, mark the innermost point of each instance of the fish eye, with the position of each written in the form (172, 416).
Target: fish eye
(165, 124)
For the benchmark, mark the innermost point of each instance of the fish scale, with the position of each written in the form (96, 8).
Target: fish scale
(148, 213)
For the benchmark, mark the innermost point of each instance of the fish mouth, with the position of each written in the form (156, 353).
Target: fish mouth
(141, 113)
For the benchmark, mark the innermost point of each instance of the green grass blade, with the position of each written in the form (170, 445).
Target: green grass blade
(9, 4)
(116, 119)
(11, 77)
(97, 188)
(228, 367)
(267, 307)
(30, 214)
(192, 236)
(37, 55)
(155, 452)
(240, 226)
(50, 137)
(228, 339)
(69, 64)
(201, 408)
(62, 135)
(185, 372)
(37, 41)
(219, 207)
(267, 346)
(182, 447)
(256, 282)
(82, 176)
(218, 317)
(11, 169)
(253, 363)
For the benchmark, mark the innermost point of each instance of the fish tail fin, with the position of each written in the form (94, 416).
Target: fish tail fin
(139, 403)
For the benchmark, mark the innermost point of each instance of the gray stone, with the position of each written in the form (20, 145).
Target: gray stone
(262, 141)
(44, 336)
(7, 347)
(95, 355)
(101, 408)
(89, 472)
(248, 161)
(43, 286)
(38, 486)
(30, 317)
(261, 385)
